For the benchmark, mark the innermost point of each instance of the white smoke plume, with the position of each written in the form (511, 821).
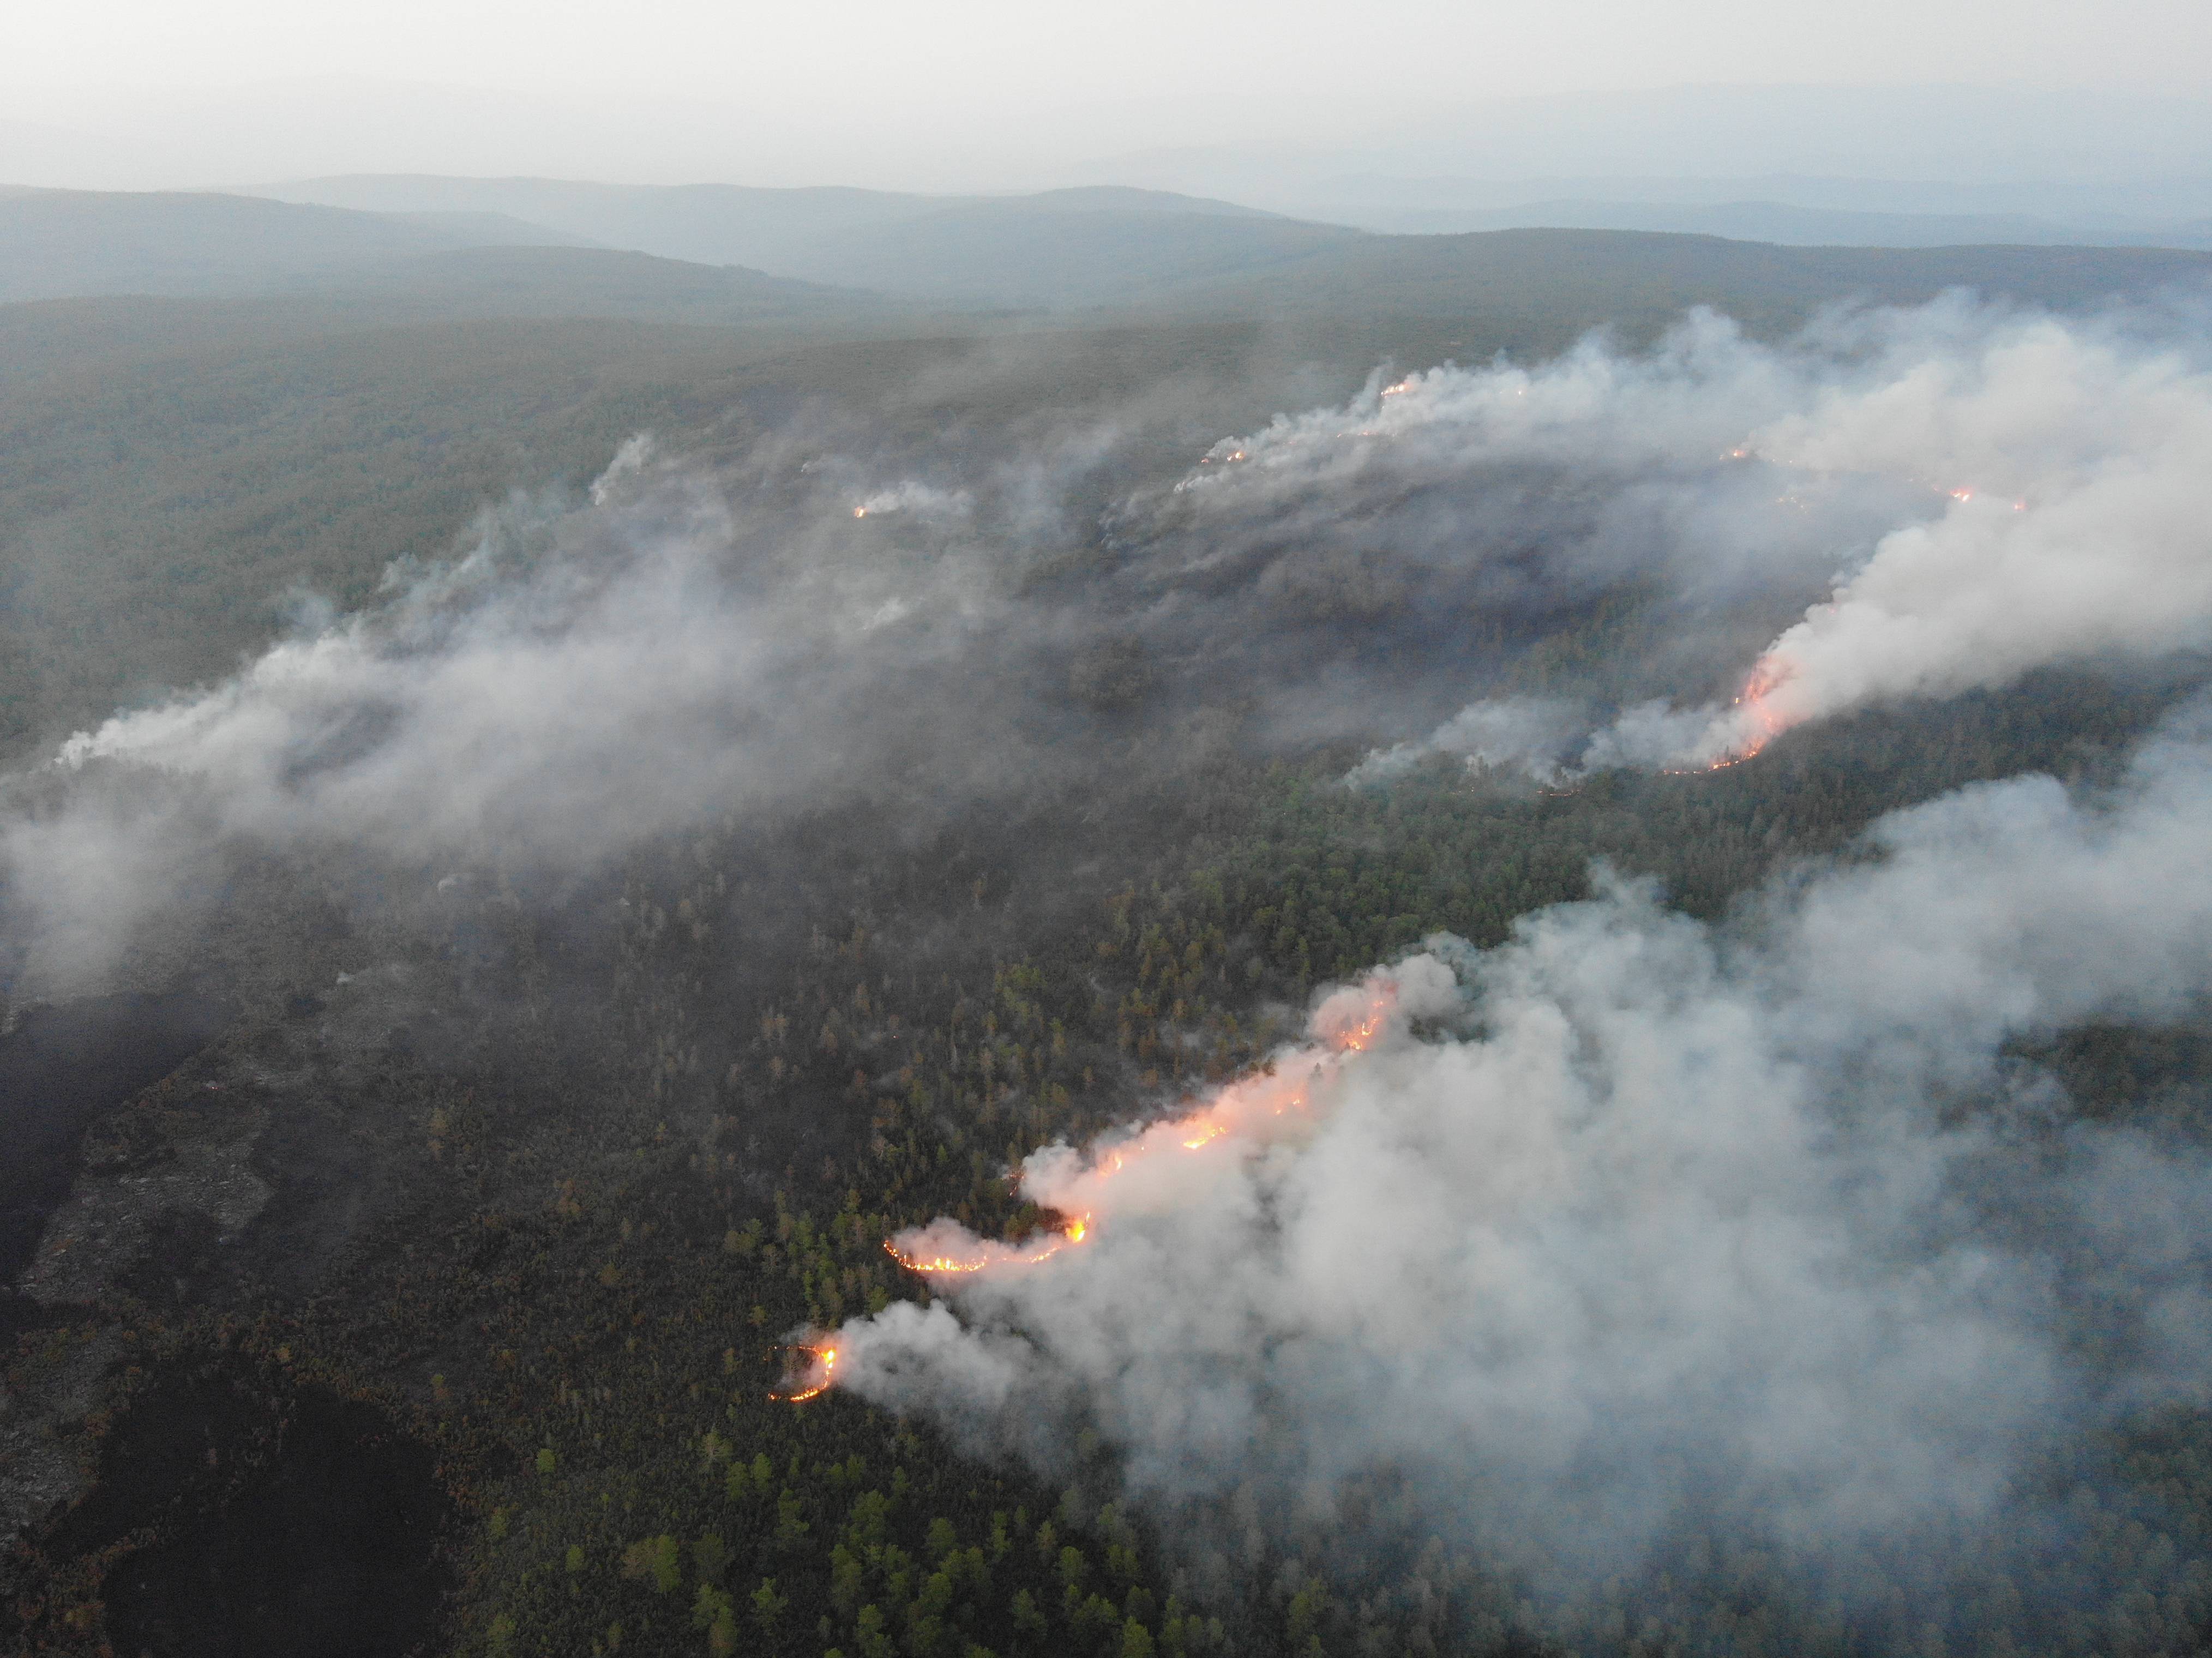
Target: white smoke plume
(2079, 523)
(1531, 735)
(1989, 492)
(1631, 1216)
(696, 647)
(911, 496)
(577, 681)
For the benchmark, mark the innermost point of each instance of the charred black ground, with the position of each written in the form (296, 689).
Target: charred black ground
(61, 1069)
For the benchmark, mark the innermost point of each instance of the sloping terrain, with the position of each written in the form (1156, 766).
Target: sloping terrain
(1063, 248)
(1111, 246)
(1051, 250)
(55, 243)
(707, 224)
(1548, 285)
(452, 1296)
(176, 473)
(1756, 220)
(826, 234)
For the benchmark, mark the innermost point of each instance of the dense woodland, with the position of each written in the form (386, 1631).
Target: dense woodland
(560, 1168)
(648, 1159)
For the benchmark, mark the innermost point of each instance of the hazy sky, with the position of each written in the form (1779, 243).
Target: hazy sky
(919, 58)
(980, 88)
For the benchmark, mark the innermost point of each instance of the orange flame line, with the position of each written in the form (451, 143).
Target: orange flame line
(1192, 1133)
(1356, 1040)
(1766, 677)
(991, 1254)
(827, 1358)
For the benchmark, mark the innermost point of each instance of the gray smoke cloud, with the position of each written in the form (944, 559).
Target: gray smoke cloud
(1983, 493)
(835, 614)
(1529, 734)
(1633, 1216)
(846, 610)
(576, 683)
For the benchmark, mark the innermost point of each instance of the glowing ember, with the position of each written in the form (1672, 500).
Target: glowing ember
(1355, 1040)
(976, 1255)
(1088, 1186)
(974, 1263)
(1081, 1187)
(819, 1375)
(1766, 725)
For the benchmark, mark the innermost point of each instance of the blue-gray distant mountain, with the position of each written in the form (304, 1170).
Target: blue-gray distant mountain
(1065, 246)
(56, 243)
(1794, 226)
(417, 249)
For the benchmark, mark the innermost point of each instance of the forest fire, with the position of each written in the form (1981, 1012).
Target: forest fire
(1765, 723)
(945, 1248)
(1356, 1040)
(1161, 1168)
(818, 1374)
(1755, 721)
(984, 1253)
(1146, 1175)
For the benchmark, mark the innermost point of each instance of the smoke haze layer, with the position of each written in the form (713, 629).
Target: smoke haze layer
(1634, 1225)
(1634, 1219)
(1986, 493)
(836, 614)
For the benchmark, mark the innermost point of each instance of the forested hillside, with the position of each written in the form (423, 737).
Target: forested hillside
(584, 804)
(59, 243)
(237, 456)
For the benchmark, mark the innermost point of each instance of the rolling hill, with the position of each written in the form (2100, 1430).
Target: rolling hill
(1061, 247)
(56, 243)
(1791, 225)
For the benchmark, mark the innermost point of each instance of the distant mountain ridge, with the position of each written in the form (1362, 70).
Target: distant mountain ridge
(1788, 224)
(1106, 245)
(464, 248)
(69, 243)
(1083, 246)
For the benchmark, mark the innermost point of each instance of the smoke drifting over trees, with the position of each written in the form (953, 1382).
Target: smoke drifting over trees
(1991, 493)
(1988, 492)
(1778, 1224)
(1657, 1219)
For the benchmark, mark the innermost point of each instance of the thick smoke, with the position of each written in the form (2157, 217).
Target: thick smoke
(1632, 1217)
(838, 613)
(1984, 492)
(1528, 734)
(2081, 470)
(579, 682)
(1629, 1217)
(1988, 492)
